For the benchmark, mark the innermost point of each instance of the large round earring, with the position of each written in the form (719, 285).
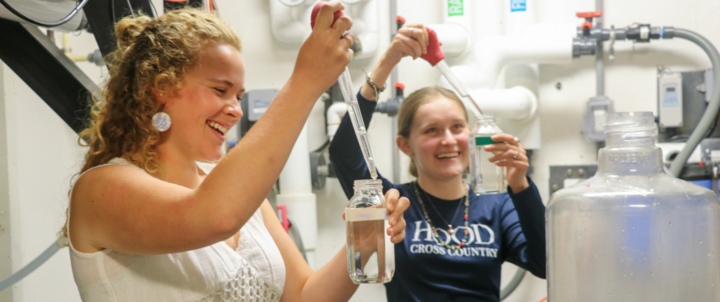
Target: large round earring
(161, 121)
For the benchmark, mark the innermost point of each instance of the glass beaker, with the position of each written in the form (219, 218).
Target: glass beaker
(370, 253)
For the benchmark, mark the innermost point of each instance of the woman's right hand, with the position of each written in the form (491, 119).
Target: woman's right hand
(411, 40)
(324, 55)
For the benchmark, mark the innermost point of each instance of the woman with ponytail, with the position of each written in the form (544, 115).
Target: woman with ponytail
(456, 240)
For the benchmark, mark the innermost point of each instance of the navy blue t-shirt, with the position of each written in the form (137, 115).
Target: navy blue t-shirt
(503, 227)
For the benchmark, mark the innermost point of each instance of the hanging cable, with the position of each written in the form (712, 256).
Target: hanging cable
(30, 267)
(154, 9)
(42, 23)
(131, 9)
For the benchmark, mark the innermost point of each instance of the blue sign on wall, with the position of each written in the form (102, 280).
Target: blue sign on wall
(518, 5)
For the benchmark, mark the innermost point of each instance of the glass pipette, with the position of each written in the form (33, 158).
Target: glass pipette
(356, 118)
(436, 58)
(354, 113)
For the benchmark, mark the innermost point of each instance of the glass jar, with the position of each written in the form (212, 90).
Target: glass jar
(632, 232)
(370, 253)
(485, 177)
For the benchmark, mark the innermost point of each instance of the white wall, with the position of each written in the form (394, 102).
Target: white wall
(47, 155)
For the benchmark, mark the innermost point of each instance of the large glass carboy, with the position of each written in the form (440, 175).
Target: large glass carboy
(633, 233)
(485, 177)
(370, 254)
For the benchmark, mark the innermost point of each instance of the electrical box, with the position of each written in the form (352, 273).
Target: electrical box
(670, 100)
(254, 103)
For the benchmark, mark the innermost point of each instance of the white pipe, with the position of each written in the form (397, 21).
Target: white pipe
(296, 194)
(334, 116)
(517, 103)
(516, 20)
(45, 10)
(456, 30)
(365, 26)
(455, 39)
(290, 24)
(487, 19)
(499, 51)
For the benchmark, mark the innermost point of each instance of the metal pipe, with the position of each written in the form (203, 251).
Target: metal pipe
(599, 54)
(711, 111)
(393, 79)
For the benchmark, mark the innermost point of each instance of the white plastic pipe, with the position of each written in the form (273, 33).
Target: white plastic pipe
(487, 19)
(296, 194)
(456, 30)
(499, 51)
(290, 24)
(365, 26)
(334, 116)
(517, 103)
(455, 39)
(516, 20)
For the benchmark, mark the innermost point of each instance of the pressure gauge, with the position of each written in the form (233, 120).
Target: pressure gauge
(292, 2)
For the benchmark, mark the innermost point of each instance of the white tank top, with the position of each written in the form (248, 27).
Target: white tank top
(254, 272)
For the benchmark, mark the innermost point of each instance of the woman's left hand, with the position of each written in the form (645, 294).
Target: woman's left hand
(396, 207)
(511, 155)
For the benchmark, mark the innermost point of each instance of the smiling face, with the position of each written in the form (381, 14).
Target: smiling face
(438, 139)
(207, 105)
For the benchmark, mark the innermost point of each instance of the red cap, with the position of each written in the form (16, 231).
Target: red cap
(400, 19)
(434, 54)
(594, 14)
(399, 85)
(316, 11)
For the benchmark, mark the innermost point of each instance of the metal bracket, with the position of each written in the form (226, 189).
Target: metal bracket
(558, 174)
(47, 70)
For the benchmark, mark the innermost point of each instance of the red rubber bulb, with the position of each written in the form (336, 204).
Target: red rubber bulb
(434, 54)
(316, 11)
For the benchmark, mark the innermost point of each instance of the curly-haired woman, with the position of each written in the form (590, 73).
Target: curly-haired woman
(146, 223)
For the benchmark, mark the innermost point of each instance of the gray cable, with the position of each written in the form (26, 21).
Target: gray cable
(298, 239)
(508, 289)
(712, 109)
(30, 267)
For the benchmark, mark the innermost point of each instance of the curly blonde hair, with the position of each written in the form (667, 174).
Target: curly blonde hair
(153, 56)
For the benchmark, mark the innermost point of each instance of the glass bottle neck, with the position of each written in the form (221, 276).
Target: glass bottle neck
(630, 153)
(368, 190)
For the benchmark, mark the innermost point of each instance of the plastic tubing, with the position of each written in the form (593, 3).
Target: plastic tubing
(708, 117)
(30, 267)
(510, 287)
